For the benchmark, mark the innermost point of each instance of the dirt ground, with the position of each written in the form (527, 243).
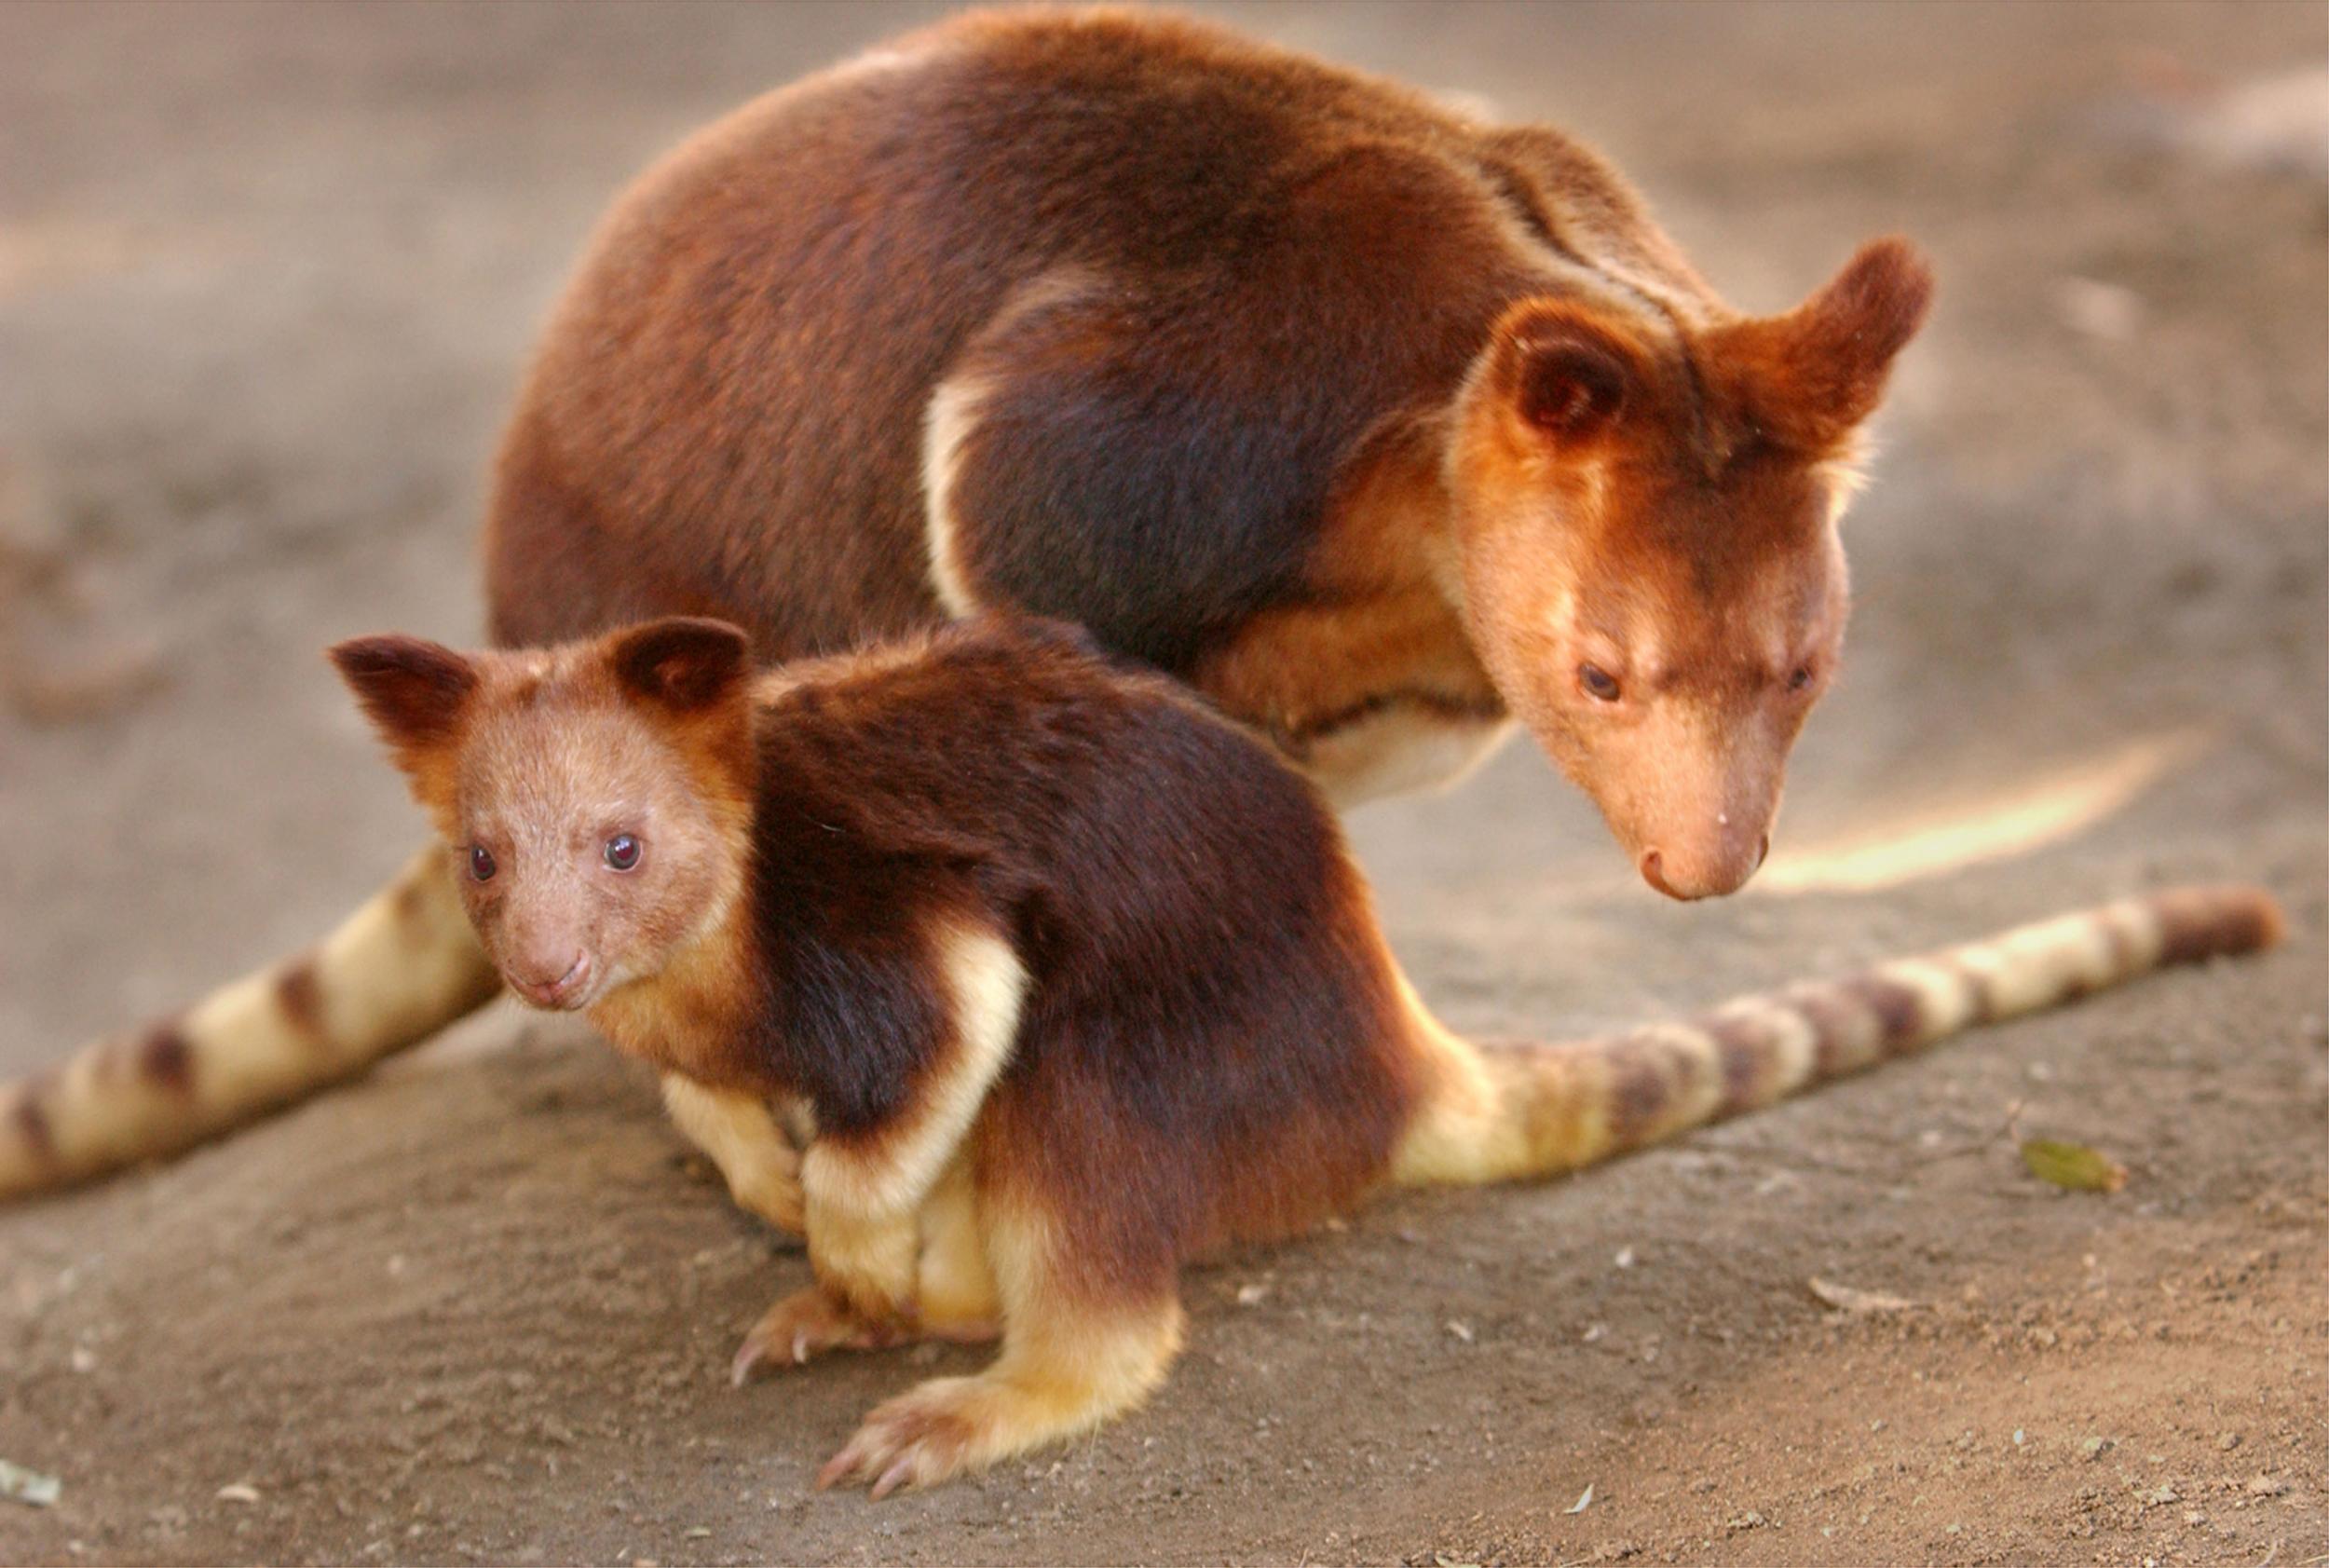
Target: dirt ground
(267, 277)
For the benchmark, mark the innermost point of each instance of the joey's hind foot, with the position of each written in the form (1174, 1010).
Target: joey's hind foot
(925, 1436)
(806, 1324)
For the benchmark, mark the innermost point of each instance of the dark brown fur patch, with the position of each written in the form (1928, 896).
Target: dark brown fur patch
(165, 1056)
(1641, 1091)
(1744, 1046)
(30, 1117)
(300, 995)
(1897, 1007)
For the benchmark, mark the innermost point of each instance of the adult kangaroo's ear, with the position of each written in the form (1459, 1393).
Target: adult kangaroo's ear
(1808, 377)
(681, 664)
(1568, 374)
(415, 692)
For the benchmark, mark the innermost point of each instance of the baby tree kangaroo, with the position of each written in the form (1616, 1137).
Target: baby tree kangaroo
(1067, 977)
(1382, 426)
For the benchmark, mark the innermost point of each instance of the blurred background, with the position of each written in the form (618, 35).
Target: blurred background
(267, 278)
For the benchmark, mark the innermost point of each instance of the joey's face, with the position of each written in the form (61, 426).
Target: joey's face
(1647, 548)
(595, 798)
(584, 852)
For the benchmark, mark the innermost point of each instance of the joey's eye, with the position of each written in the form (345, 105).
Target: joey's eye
(1801, 679)
(623, 851)
(481, 863)
(1599, 683)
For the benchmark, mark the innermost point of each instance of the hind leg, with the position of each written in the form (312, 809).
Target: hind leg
(1067, 1363)
(955, 1287)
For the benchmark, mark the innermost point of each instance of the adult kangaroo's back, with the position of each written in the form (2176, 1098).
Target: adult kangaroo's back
(1382, 427)
(1262, 258)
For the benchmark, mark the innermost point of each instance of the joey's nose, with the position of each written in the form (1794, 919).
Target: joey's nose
(547, 981)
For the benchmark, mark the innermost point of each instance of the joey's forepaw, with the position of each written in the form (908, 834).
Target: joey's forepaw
(805, 1324)
(920, 1439)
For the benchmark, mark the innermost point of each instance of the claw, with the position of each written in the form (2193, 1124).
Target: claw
(802, 1325)
(839, 1469)
(894, 1477)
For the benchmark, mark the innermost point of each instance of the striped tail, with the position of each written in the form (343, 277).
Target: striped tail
(1498, 1113)
(398, 970)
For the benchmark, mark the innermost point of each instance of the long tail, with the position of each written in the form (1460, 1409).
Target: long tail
(1497, 1112)
(398, 970)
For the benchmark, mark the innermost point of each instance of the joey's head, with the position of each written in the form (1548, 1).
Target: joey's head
(1645, 536)
(596, 797)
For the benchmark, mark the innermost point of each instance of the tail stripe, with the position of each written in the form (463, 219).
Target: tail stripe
(165, 1055)
(1896, 1007)
(1848, 1031)
(300, 995)
(1669, 1077)
(32, 1118)
(1769, 1048)
(1945, 1003)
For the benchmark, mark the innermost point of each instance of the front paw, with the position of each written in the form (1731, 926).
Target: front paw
(805, 1324)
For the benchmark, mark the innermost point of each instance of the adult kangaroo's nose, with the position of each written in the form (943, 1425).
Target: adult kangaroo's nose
(1715, 870)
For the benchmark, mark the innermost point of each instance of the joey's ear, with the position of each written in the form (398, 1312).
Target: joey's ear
(413, 691)
(1567, 374)
(681, 664)
(1808, 377)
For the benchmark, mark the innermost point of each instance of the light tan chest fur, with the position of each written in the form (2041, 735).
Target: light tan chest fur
(685, 1019)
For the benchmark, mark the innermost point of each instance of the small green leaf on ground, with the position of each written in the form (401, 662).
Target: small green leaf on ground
(2072, 1165)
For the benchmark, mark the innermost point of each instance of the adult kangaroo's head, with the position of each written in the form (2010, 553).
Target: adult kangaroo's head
(1646, 533)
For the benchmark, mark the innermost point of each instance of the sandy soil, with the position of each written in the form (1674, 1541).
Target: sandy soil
(265, 279)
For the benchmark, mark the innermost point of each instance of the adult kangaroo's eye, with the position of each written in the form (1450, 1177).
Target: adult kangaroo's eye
(1599, 683)
(623, 851)
(481, 863)
(1801, 679)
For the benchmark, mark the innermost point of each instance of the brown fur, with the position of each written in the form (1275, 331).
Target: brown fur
(1073, 981)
